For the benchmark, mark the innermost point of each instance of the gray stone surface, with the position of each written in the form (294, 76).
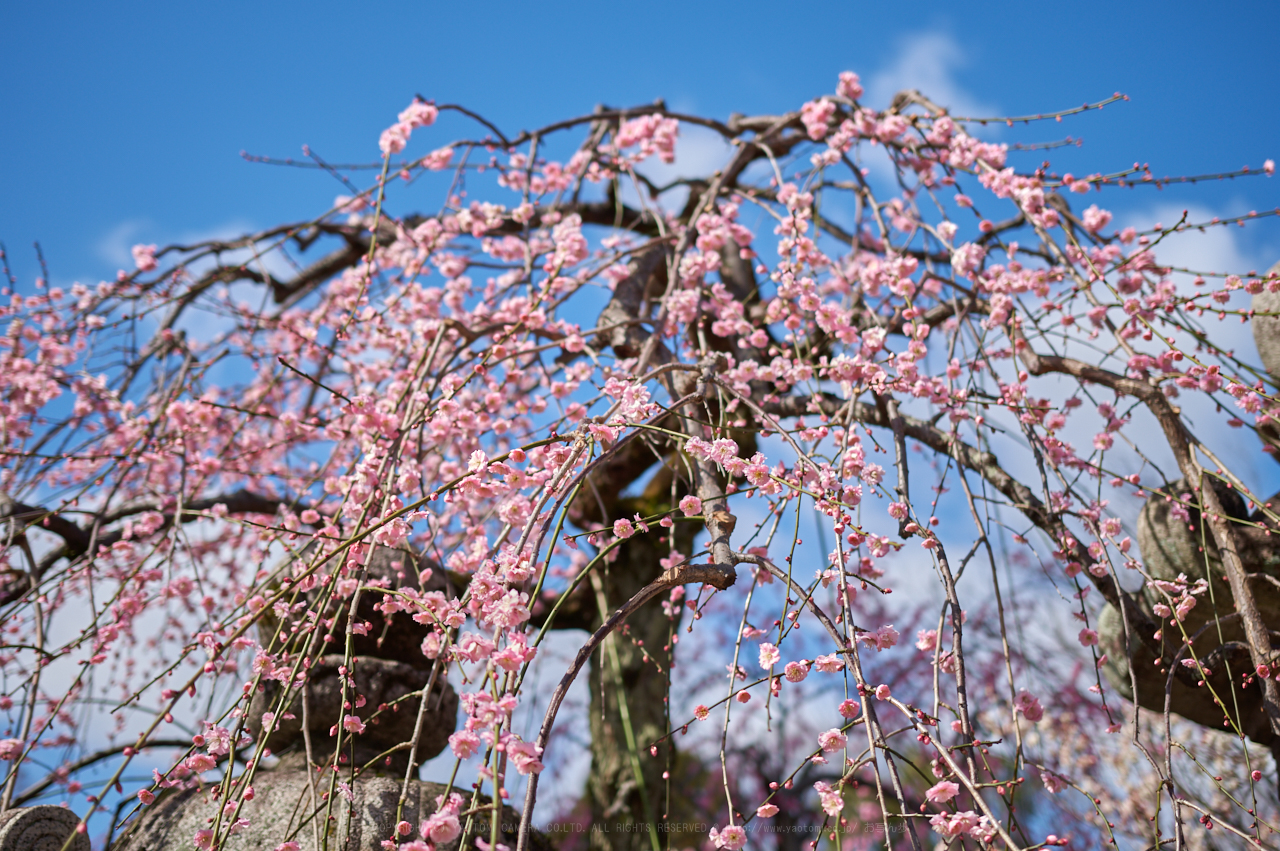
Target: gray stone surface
(381, 682)
(1266, 329)
(43, 828)
(1171, 546)
(282, 809)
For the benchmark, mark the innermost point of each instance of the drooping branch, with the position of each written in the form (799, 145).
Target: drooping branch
(77, 539)
(1020, 496)
(1224, 535)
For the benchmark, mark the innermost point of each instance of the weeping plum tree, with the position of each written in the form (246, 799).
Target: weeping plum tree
(826, 464)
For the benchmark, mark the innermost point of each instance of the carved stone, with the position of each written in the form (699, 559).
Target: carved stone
(282, 809)
(43, 828)
(296, 801)
(1266, 329)
(1172, 546)
(389, 719)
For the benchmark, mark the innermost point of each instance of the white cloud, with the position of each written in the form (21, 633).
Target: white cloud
(114, 246)
(927, 61)
(699, 152)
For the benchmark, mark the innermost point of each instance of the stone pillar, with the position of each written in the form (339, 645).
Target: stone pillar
(43, 828)
(302, 802)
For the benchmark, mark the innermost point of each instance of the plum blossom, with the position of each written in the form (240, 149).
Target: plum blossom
(832, 740)
(731, 837)
(816, 117)
(769, 656)
(1053, 782)
(443, 826)
(943, 791)
(967, 259)
(1028, 705)
(690, 505)
(524, 755)
(144, 257)
(829, 663)
(850, 85)
(464, 743)
(951, 825)
(883, 638)
(830, 797)
(1096, 219)
(796, 671)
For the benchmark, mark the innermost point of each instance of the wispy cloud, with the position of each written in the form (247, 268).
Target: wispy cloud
(114, 245)
(927, 61)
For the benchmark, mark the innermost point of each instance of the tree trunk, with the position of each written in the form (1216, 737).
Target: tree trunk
(629, 685)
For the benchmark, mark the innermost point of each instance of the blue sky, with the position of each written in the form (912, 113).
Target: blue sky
(124, 124)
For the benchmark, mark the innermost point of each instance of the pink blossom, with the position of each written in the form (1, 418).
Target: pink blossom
(1051, 781)
(11, 749)
(1088, 637)
(419, 114)
(829, 663)
(199, 763)
(623, 528)
(967, 259)
(700, 712)
(690, 505)
(769, 656)
(1096, 219)
(394, 138)
(849, 708)
(464, 743)
(766, 811)
(146, 796)
(524, 755)
(943, 791)
(829, 796)
(144, 257)
(1028, 705)
(816, 116)
(883, 638)
(850, 86)
(353, 724)
(438, 160)
(1269, 167)
(832, 740)
(796, 671)
(443, 826)
(951, 825)
(882, 692)
(731, 837)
